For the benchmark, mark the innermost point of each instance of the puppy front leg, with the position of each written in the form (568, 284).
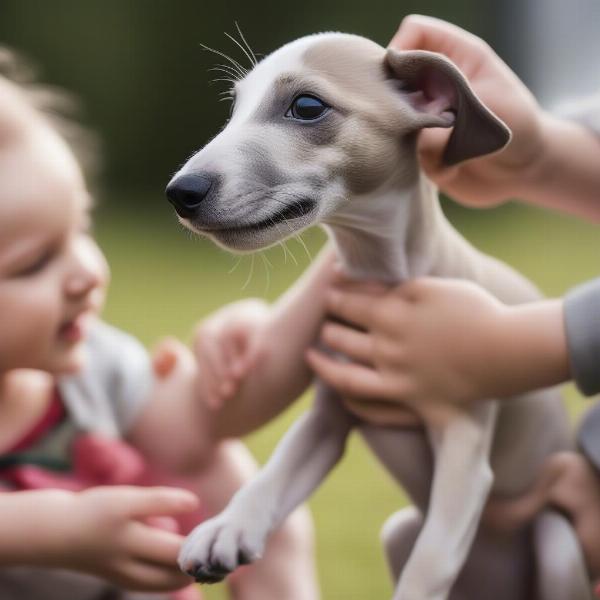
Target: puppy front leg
(461, 484)
(300, 462)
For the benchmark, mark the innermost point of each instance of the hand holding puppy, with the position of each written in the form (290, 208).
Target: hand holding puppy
(437, 341)
(549, 161)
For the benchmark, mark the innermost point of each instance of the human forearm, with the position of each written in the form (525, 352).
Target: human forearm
(282, 374)
(566, 174)
(32, 527)
(530, 350)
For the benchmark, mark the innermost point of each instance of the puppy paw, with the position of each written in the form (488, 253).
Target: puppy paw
(218, 546)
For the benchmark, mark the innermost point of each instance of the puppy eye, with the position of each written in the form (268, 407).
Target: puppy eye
(307, 108)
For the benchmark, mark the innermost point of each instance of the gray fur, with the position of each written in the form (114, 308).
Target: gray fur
(384, 218)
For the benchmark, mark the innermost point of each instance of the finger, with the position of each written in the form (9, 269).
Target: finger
(430, 149)
(210, 349)
(428, 33)
(141, 576)
(352, 307)
(213, 371)
(355, 344)
(252, 357)
(346, 284)
(227, 388)
(347, 378)
(157, 501)
(152, 544)
(239, 354)
(165, 523)
(341, 278)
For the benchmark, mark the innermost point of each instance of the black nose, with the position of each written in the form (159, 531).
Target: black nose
(186, 193)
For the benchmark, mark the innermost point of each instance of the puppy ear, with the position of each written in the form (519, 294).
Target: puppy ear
(441, 97)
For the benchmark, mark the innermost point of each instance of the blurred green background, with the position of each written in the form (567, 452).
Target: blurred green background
(141, 75)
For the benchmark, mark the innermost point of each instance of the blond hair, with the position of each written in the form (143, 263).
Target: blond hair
(58, 108)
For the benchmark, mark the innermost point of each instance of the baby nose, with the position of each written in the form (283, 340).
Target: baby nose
(89, 270)
(186, 192)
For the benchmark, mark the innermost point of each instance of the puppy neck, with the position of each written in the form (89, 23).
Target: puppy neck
(389, 235)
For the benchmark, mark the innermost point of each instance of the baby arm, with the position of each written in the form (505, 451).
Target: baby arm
(281, 374)
(182, 402)
(100, 531)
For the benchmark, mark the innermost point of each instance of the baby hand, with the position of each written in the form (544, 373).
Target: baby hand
(228, 344)
(109, 532)
(437, 342)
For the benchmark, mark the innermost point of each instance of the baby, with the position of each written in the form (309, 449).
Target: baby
(87, 419)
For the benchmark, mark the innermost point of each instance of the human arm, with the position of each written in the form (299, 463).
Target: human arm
(549, 161)
(227, 345)
(100, 531)
(433, 340)
(282, 374)
(176, 403)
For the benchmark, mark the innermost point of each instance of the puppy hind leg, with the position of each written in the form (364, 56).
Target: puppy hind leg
(398, 536)
(461, 483)
(561, 571)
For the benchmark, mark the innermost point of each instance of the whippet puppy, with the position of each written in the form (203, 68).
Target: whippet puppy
(324, 131)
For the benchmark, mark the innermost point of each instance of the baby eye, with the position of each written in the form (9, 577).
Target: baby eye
(307, 108)
(36, 266)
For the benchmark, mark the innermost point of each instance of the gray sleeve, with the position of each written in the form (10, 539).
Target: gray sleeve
(109, 394)
(582, 322)
(585, 111)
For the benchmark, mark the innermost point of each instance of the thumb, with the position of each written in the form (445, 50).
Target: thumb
(431, 151)
(155, 501)
(254, 353)
(164, 523)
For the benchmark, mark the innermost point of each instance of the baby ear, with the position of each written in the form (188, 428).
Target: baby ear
(441, 97)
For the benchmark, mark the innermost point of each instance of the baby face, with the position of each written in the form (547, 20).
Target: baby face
(52, 274)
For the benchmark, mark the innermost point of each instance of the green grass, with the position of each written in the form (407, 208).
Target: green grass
(164, 280)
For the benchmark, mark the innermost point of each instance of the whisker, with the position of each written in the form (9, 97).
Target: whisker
(237, 264)
(289, 250)
(249, 274)
(240, 47)
(255, 60)
(227, 69)
(226, 79)
(299, 239)
(236, 65)
(285, 254)
(266, 263)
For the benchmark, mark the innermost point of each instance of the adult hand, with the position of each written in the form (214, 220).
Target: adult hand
(487, 180)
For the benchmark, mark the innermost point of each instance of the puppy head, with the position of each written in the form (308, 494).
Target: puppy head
(323, 120)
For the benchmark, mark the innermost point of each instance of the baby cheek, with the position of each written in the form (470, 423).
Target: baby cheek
(31, 329)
